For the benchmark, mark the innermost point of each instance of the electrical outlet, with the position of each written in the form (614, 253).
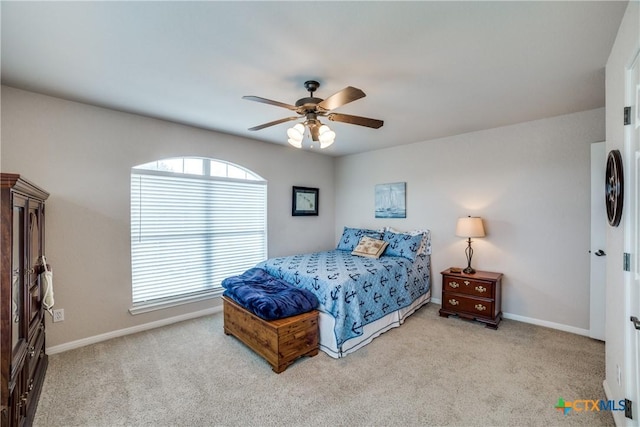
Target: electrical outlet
(58, 315)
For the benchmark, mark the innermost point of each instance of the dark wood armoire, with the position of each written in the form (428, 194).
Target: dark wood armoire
(23, 361)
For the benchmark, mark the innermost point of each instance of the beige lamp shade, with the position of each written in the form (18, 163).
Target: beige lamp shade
(470, 227)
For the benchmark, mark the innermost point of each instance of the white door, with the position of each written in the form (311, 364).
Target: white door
(632, 240)
(598, 261)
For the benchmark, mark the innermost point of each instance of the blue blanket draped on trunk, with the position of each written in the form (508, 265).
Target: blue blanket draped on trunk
(266, 296)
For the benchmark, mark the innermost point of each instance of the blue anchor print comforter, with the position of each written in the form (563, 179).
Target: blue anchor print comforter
(353, 289)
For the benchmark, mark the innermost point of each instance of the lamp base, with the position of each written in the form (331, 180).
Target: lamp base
(469, 253)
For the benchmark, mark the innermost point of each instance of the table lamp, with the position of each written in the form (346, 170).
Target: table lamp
(469, 227)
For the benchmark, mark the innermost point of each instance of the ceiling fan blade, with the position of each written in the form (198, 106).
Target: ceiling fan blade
(345, 96)
(275, 122)
(271, 102)
(355, 120)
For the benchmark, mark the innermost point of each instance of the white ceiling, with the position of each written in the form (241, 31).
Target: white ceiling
(429, 69)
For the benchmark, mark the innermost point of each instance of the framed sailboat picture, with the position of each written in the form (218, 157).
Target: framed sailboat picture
(391, 200)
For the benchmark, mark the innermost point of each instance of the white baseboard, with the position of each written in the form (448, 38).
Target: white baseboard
(547, 324)
(132, 330)
(618, 416)
(164, 322)
(607, 390)
(538, 322)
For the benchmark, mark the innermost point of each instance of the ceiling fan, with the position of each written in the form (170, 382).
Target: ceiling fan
(311, 108)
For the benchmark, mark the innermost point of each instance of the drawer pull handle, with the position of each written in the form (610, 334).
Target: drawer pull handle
(466, 282)
(480, 307)
(454, 284)
(481, 289)
(453, 302)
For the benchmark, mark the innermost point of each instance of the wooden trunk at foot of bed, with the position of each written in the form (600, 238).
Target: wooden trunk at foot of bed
(279, 341)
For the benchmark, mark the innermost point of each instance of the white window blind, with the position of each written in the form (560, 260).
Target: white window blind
(188, 233)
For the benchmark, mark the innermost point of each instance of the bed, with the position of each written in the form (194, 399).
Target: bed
(361, 297)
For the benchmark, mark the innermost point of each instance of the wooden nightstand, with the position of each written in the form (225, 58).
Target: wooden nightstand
(473, 296)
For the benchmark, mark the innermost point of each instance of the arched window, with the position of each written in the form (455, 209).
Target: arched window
(194, 222)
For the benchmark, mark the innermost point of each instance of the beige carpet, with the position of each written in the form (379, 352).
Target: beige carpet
(430, 371)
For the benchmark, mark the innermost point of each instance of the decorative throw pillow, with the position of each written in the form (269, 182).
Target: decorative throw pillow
(402, 244)
(351, 237)
(371, 248)
(425, 244)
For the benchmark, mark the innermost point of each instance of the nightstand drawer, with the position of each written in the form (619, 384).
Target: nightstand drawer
(474, 306)
(462, 285)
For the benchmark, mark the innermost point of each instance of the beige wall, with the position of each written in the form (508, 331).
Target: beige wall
(617, 324)
(531, 184)
(83, 155)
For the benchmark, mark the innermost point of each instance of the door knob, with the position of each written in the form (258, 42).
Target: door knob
(600, 252)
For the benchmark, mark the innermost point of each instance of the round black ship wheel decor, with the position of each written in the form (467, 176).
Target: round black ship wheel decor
(614, 187)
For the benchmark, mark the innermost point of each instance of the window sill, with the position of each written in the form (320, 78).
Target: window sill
(173, 302)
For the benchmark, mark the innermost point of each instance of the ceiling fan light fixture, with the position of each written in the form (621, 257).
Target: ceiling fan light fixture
(295, 142)
(296, 134)
(325, 144)
(326, 136)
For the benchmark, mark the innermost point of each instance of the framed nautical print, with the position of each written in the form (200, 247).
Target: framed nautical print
(391, 200)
